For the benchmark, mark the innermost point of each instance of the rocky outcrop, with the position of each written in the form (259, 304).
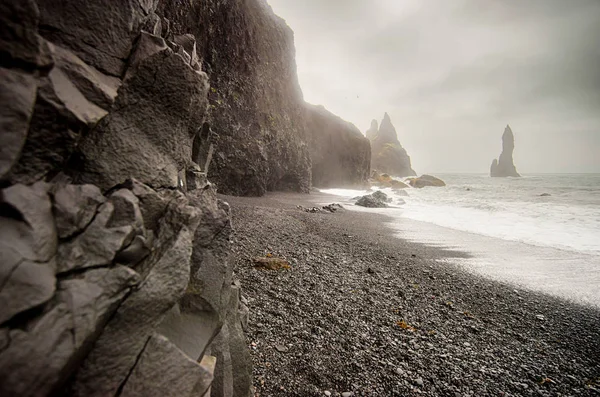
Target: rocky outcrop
(387, 154)
(426, 180)
(375, 200)
(371, 133)
(340, 154)
(115, 272)
(256, 112)
(504, 165)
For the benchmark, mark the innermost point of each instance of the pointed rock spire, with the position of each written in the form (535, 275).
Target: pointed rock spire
(372, 131)
(387, 154)
(505, 166)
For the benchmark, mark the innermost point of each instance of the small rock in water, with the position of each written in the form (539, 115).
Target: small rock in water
(545, 195)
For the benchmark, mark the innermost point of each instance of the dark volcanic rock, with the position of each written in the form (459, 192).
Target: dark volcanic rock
(375, 200)
(505, 166)
(340, 154)
(92, 260)
(387, 154)
(256, 107)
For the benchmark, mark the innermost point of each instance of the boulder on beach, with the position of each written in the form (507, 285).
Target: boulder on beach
(385, 180)
(426, 180)
(376, 200)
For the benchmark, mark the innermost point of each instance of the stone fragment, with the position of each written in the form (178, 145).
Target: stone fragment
(147, 45)
(233, 372)
(35, 231)
(28, 285)
(116, 351)
(17, 99)
(126, 210)
(97, 245)
(151, 141)
(188, 43)
(74, 207)
(152, 205)
(164, 370)
(40, 356)
(68, 99)
(61, 115)
(94, 85)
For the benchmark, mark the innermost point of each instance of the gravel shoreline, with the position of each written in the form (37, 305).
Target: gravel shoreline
(362, 313)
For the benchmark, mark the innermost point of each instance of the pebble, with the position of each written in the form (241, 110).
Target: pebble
(419, 381)
(399, 371)
(281, 348)
(347, 394)
(327, 393)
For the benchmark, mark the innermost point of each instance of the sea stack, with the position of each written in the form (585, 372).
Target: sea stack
(387, 154)
(505, 166)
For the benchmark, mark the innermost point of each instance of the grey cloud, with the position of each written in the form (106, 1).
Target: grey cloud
(453, 73)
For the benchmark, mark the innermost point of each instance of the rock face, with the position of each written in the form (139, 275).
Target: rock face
(256, 112)
(340, 154)
(387, 154)
(504, 165)
(115, 277)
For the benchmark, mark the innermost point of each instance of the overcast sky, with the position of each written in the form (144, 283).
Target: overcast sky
(453, 73)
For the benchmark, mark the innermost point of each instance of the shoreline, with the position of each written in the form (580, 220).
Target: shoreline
(364, 311)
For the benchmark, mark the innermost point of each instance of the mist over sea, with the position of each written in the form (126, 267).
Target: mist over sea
(540, 232)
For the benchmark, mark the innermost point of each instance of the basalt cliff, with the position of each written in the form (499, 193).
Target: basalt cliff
(340, 154)
(118, 120)
(504, 165)
(387, 154)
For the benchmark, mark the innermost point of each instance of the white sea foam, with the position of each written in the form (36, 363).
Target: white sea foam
(515, 235)
(511, 209)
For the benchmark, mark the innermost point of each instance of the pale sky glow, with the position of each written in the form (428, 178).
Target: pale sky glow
(453, 73)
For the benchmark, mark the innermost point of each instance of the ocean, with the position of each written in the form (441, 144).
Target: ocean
(539, 232)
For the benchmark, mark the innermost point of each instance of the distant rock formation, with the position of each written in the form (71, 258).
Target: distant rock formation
(387, 154)
(340, 154)
(505, 166)
(372, 131)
